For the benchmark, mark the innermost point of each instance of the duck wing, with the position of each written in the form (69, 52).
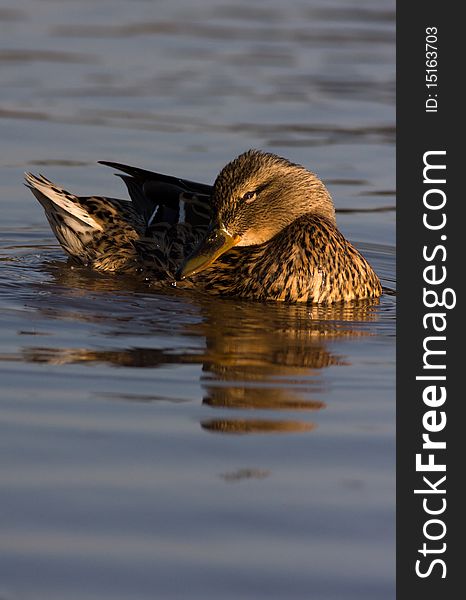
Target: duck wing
(160, 198)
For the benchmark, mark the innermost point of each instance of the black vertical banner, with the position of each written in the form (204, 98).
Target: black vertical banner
(431, 256)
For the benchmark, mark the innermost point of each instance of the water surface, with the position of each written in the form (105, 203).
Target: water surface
(160, 443)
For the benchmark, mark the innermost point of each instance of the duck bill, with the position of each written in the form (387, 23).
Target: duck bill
(217, 242)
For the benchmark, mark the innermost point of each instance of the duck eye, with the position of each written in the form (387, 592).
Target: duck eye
(248, 196)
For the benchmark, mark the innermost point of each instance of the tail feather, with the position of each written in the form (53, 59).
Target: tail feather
(57, 200)
(85, 226)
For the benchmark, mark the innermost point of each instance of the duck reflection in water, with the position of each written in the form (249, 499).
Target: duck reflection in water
(270, 358)
(258, 356)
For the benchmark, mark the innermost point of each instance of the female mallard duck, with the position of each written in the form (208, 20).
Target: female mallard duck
(266, 230)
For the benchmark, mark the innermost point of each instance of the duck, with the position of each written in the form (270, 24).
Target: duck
(265, 230)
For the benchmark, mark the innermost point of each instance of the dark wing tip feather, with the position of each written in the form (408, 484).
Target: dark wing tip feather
(137, 173)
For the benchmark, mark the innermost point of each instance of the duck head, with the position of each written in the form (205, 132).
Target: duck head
(255, 197)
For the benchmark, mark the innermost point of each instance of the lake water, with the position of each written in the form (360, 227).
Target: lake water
(164, 444)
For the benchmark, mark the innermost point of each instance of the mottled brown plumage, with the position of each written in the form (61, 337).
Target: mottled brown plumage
(272, 232)
(310, 261)
(120, 236)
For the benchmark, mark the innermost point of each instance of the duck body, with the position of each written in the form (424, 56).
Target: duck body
(310, 261)
(266, 230)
